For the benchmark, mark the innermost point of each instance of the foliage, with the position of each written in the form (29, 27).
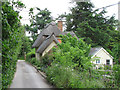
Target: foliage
(116, 48)
(45, 61)
(63, 77)
(67, 67)
(12, 33)
(26, 46)
(107, 67)
(116, 69)
(82, 11)
(30, 54)
(88, 23)
(72, 52)
(94, 27)
(71, 66)
(38, 21)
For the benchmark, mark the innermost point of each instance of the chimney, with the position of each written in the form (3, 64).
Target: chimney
(60, 25)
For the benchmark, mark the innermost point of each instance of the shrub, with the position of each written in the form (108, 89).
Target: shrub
(71, 66)
(116, 70)
(107, 67)
(66, 77)
(45, 61)
(73, 53)
(30, 54)
(12, 33)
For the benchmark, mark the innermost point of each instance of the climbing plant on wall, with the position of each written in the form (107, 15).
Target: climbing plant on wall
(12, 32)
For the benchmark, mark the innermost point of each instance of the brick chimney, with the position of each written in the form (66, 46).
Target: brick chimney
(60, 25)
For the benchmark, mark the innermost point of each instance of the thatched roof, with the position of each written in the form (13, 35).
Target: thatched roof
(49, 34)
(46, 43)
(48, 30)
(71, 32)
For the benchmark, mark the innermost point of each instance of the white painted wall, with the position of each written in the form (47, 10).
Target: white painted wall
(103, 57)
(49, 48)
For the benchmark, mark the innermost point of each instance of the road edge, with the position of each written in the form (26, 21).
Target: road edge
(42, 73)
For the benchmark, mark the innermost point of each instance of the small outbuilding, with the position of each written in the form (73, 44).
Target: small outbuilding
(102, 57)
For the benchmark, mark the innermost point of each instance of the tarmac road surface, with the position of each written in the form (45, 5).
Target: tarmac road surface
(27, 76)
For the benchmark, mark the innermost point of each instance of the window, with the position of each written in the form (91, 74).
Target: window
(97, 61)
(108, 62)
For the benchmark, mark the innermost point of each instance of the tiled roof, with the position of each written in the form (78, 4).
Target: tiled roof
(94, 50)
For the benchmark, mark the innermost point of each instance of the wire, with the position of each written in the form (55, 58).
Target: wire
(97, 8)
(109, 5)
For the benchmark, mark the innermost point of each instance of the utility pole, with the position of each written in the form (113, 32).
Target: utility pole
(119, 15)
(119, 23)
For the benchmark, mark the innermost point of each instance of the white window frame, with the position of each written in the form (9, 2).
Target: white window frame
(98, 61)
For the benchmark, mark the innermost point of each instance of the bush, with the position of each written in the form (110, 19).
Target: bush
(30, 54)
(116, 70)
(66, 77)
(71, 66)
(107, 67)
(73, 53)
(12, 33)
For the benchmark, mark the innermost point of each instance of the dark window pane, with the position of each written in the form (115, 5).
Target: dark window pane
(108, 62)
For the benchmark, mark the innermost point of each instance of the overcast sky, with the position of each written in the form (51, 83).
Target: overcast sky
(58, 7)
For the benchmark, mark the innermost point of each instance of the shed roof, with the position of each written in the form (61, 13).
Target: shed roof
(95, 50)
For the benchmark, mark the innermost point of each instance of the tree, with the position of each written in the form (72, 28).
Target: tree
(116, 47)
(26, 46)
(81, 12)
(73, 53)
(38, 22)
(91, 24)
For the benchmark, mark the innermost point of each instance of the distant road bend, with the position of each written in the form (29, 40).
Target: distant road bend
(27, 76)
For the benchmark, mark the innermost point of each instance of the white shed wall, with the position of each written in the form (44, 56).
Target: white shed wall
(103, 57)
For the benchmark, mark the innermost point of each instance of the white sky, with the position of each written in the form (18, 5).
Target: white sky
(57, 7)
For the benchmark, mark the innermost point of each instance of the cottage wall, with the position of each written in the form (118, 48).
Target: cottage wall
(37, 55)
(49, 48)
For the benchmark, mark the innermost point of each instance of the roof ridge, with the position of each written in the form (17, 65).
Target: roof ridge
(51, 23)
(50, 36)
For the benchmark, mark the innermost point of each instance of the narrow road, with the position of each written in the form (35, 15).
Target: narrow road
(27, 76)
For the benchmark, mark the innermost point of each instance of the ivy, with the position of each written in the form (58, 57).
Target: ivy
(12, 33)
